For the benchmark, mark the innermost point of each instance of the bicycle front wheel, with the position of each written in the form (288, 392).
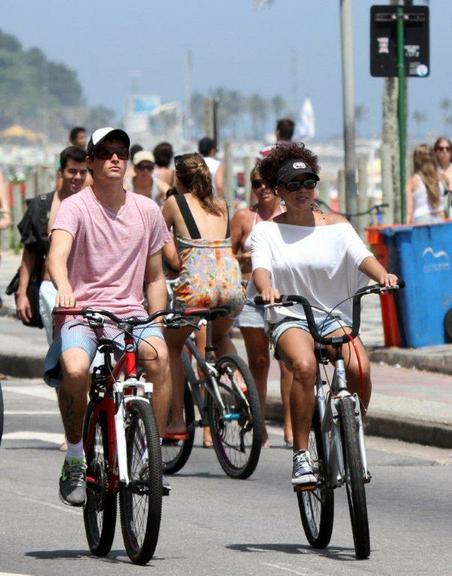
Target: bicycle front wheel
(99, 513)
(175, 453)
(236, 433)
(317, 506)
(354, 478)
(141, 500)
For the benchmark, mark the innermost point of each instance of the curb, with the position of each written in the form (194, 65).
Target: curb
(21, 366)
(380, 424)
(431, 359)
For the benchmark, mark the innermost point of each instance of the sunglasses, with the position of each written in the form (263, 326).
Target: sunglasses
(256, 184)
(105, 153)
(447, 148)
(143, 167)
(295, 185)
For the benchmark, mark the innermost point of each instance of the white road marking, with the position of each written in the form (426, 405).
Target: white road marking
(31, 413)
(61, 508)
(39, 391)
(284, 568)
(13, 574)
(50, 437)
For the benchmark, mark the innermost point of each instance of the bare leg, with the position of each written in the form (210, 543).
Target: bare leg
(153, 355)
(362, 388)
(73, 394)
(286, 387)
(175, 340)
(296, 348)
(256, 343)
(220, 336)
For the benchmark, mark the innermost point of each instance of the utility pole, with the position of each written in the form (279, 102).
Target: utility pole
(348, 106)
(401, 107)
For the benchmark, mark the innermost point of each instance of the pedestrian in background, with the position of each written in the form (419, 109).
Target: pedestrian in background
(143, 180)
(443, 152)
(207, 147)
(163, 154)
(425, 189)
(251, 318)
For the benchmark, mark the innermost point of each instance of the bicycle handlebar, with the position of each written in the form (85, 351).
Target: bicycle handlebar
(376, 208)
(132, 320)
(356, 316)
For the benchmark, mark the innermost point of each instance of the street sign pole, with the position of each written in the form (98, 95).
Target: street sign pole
(401, 107)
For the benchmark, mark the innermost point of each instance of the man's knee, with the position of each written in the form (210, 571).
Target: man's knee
(153, 353)
(75, 364)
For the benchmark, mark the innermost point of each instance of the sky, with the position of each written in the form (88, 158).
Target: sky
(143, 44)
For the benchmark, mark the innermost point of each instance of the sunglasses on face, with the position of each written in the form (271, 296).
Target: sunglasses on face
(256, 184)
(105, 153)
(143, 167)
(296, 185)
(443, 148)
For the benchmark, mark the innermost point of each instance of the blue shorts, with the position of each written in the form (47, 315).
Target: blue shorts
(82, 336)
(251, 316)
(324, 327)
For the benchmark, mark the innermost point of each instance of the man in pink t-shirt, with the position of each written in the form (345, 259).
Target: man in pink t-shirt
(106, 244)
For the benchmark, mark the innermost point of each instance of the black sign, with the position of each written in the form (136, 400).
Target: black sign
(383, 41)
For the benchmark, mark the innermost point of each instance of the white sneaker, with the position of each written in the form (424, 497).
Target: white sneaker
(302, 472)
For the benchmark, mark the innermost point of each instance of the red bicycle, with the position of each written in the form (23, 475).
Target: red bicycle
(122, 445)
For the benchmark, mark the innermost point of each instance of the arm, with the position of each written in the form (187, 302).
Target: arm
(263, 281)
(23, 308)
(5, 215)
(236, 232)
(60, 248)
(375, 271)
(171, 257)
(409, 200)
(155, 283)
(219, 181)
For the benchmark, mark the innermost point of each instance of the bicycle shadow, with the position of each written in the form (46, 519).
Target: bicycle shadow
(113, 557)
(333, 552)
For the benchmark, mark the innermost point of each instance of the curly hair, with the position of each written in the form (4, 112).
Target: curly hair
(193, 173)
(283, 151)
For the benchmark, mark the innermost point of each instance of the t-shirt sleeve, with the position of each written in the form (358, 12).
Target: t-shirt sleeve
(159, 235)
(261, 256)
(356, 249)
(67, 218)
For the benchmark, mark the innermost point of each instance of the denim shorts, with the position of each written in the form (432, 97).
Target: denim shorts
(72, 335)
(324, 327)
(251, 316)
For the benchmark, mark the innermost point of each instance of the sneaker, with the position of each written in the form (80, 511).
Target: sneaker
(166, 486)
(73, 482)
(302, 472)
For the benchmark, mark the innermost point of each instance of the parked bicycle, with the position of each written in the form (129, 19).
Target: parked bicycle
(122, 446)
(226, 398)
(336, 441)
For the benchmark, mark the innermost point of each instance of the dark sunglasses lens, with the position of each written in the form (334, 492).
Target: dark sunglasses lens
(257, 183)
(147, 167)
(294, 185)
(107, 153)
(310, 184)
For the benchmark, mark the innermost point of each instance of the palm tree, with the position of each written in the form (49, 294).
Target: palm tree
(445, 106)
(279, 105)
(419, 118)
(257, 108)
(361, 114)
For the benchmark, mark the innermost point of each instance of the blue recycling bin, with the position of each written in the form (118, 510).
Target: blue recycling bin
(422, 256)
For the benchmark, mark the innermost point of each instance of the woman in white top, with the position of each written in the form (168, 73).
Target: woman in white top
(443, 151)
(425, 189)
(251, 318)
(303, 251)
(143, 181)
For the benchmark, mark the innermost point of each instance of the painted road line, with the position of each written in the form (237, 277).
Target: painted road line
(49, 437)
(38, 391)
(32, 413)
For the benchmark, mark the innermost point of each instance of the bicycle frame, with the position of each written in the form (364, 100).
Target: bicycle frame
(330, 424)
(207, 366)
(116, 395)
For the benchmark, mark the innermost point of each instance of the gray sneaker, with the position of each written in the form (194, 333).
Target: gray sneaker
(73, 482)
(302, 473)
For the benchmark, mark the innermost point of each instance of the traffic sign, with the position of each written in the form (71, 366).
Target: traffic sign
(383, 41)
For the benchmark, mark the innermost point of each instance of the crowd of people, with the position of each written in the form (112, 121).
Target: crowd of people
(122, 218)
(428, 191)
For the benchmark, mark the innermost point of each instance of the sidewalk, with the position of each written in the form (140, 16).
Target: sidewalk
(407, 403)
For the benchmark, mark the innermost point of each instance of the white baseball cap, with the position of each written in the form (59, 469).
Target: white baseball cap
(143, 156)
(99, 135)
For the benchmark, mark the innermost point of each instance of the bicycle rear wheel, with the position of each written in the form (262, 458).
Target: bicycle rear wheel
(236, 435)
(354, 477)
(99, 513)
(175, 453)
(317, 506)
(141, 500)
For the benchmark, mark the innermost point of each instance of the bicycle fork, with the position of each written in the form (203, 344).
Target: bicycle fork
(120, 419)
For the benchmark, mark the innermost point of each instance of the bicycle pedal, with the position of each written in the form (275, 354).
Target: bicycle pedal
(166, 491)
(305, 488)
(367, 477)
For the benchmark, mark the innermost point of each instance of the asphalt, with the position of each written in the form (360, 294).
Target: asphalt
(412, 388)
